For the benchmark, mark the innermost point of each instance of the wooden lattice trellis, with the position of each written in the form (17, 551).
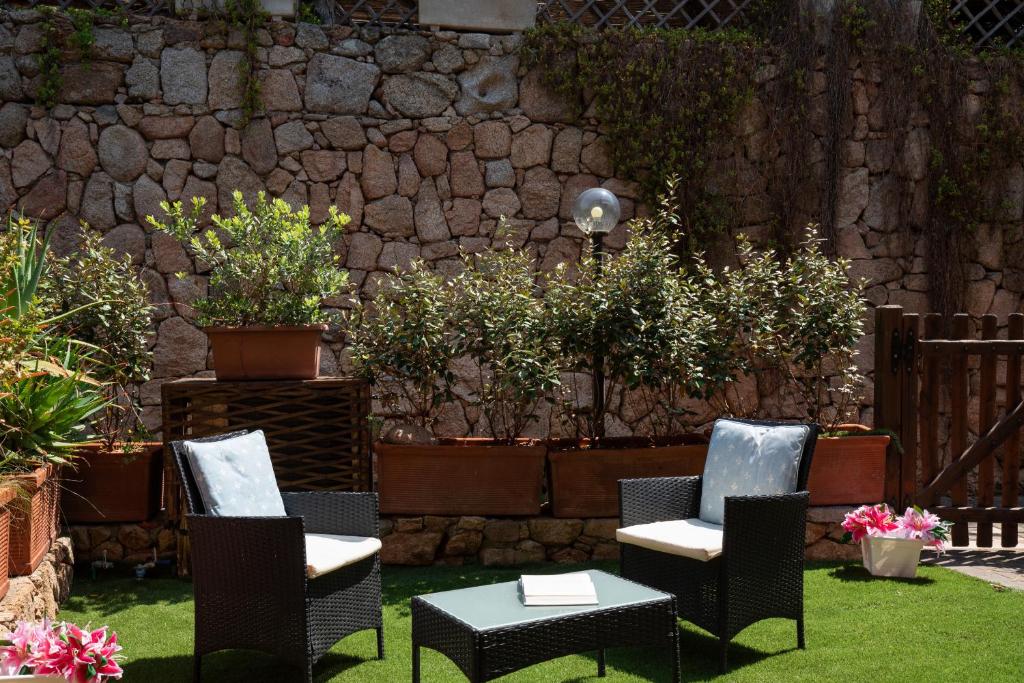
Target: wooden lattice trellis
(990, 22)
(709, 14)
(317, 431)
(143, 7)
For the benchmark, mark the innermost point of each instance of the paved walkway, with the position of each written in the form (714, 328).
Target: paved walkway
(996, 565)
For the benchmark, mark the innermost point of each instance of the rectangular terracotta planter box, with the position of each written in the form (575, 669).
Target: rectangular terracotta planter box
(266, 353)
(848, 470)
(585, 482)
(33, 519)
(113, 486)
(6, 497)
(460, 477)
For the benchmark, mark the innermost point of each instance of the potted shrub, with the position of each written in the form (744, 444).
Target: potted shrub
(891, 545)
(100, 301)
(663, 351)
(406, 343)
(270, 272)
(44, 404)
(799, 333)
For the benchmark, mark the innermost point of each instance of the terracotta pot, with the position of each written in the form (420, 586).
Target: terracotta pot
(460, 477)
(848, 470)
(33, 518)
(254, 353)
(6, 497)
(585, 481)
(113, 486)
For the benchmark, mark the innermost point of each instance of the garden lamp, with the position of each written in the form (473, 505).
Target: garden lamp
(597, 212)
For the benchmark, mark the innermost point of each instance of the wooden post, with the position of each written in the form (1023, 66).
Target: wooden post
(930, 365)
(908, 410)
(986, 418)
(1011, 454)
(888, 380)
(958, 423)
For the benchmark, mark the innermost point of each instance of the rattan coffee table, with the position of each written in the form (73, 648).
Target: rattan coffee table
(488, 632)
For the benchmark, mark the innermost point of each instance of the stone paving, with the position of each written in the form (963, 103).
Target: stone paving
(996, 565)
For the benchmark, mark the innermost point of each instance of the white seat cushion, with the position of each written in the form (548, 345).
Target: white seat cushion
(692, 538)
(325, 553)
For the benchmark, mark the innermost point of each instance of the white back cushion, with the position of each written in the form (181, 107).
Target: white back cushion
(235, 477)
(749, 460)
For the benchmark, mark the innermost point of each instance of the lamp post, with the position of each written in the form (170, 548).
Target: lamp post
(596, 212)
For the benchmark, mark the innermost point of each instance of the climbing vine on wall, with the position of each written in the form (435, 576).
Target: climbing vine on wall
(668, 99)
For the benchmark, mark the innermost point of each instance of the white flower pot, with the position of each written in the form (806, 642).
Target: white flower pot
(32, 679)
(897, 557)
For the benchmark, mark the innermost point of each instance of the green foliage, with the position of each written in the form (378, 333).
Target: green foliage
(82, 37)
(248, 16)
(667, 98)
(42, 417)
(269, 265)
(99, 300)
(48, 60)
(499, 320)
(797, 321)
(22, 264)
(660, 328)
(401, 342)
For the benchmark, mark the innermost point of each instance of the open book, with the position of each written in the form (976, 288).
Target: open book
(559, 589)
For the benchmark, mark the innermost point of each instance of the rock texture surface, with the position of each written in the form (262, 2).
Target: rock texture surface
(39, 596)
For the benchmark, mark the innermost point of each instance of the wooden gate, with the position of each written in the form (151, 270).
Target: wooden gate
(929, 385)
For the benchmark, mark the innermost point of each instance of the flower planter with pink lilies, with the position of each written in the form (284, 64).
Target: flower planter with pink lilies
(59, 652)
(891, 544)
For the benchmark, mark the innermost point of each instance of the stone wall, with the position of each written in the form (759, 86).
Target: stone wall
(39, 595)
(430, 539)
(425, 139)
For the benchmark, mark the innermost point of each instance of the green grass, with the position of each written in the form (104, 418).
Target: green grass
(941, 626)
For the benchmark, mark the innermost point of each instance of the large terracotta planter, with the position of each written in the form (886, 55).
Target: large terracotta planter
(113, 486)
(33, 518)
(255, 353)
(585, 481)
(460, 477)
(848, 470)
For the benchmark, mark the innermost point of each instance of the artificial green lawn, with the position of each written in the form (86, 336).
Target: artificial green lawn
(941, 626)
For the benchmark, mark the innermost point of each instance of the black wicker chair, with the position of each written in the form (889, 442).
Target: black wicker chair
(250, 581)
(759, 574)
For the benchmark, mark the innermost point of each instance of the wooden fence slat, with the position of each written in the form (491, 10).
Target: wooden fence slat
(986, 418)
(929, 408)
(1013, 516)
(958, 423)
(887, 414)
(908, 410)
(1011, 453)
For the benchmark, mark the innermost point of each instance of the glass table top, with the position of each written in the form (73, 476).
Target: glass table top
(498, 605)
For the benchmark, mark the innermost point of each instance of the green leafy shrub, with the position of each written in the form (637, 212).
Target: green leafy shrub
(501, 322)
(401, 342)
(269, 265)
(99, 300)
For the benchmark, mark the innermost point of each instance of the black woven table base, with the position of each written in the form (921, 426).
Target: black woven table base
(487, 654)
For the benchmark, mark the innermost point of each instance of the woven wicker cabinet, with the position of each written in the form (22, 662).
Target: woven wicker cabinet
(318, 432)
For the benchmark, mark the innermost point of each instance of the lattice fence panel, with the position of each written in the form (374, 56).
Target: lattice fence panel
(990, 22)
(142, 7)
(708, 14)
(317, 431)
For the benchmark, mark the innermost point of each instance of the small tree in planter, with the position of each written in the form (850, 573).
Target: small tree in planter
(797, 329)
(270, 272)
(401, 342)
(99, 300)
(663, 346)
(501, 323)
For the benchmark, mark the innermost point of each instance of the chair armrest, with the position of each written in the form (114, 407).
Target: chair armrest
(642, 501)
(240, 556)
(335, 512)
(763, 531)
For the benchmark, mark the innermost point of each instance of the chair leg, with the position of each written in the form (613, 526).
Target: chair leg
(723, 655)
(309, 672)
(800, 643)
(600, 663)
(197, 667)
(380, 642)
